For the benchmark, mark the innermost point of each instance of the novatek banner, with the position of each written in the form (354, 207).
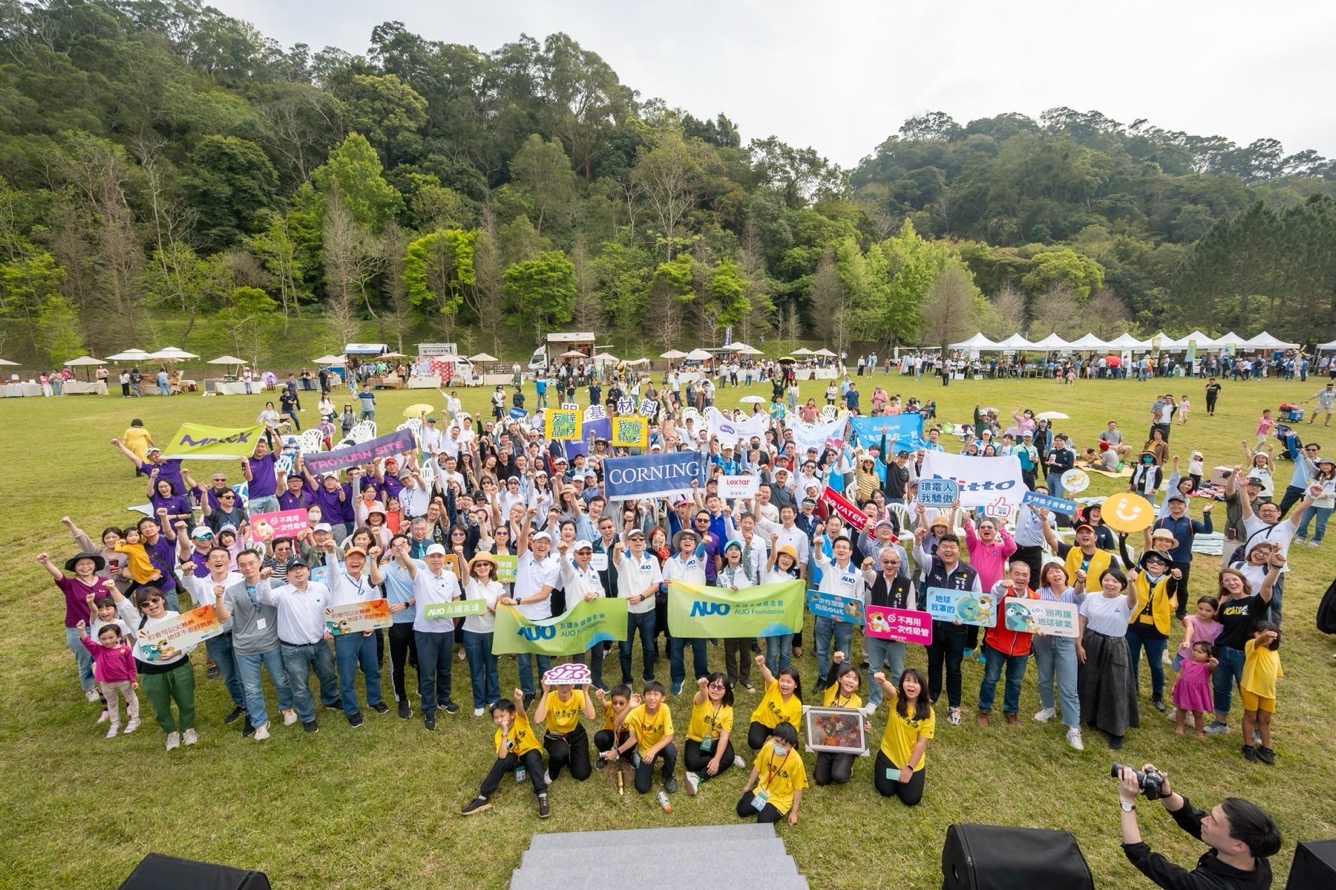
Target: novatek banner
(397, 442)
(199, 442)
(993, 483)
(652, 475)
(845, 509)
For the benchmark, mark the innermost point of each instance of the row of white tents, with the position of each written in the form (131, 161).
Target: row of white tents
(1160, 342)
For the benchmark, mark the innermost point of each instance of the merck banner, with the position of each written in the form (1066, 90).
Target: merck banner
(397, 442)
(200, 442)
(652, 475)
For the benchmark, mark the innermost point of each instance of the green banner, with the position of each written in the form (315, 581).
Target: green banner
(194, 440)
(768, 610)
(455, 609)
(586, 623)
(506, 568)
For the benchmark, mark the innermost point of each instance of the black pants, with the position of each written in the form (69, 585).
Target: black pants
(837, 768)
(403, 649)
(1186, 569)
(1210, 403)
(1292, 496)
(533, 765)
(768, 813)
(1032, 557)
(571, 751)
(948, 646)
(596, 655)
(695, 760)
(645, 772)
(757, 733)
(910, 793)
(606, 739)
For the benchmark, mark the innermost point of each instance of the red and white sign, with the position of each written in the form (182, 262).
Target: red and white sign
(899, 625)
(846, 510)
(280, 524)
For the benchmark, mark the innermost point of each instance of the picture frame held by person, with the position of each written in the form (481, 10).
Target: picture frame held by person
(835, 730)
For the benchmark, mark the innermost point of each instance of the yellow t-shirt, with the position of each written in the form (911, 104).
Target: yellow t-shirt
(773, 710)
(707, 721)
(136, 438)
(137, 561)
(834, 698)
(609, 716)
(779, 777)
(520, 739)
(1261, 669)
(902, 733)
(564, 716)
(649, 729)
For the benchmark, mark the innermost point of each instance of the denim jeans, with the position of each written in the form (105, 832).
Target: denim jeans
(1321, 514)
(248, 667)
(644, 623)
(778, 652)
(994, 661)
(1056, 658)
(1224, 678)
(700, 663)
(262, 505)
(298, 661)
(1154, 647)
(435, 653)
(220, 651)
(882, 654)
(352, 651)
(482, 668)
(525, 666)
(173, 599)
(843, 634)
(81, 656)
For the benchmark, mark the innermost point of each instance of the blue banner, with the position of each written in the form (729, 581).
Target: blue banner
(1054, 504)
(902, 431)
(843, 609)
(938, 492)
(592, 429)
(652, 475)
(518, 414)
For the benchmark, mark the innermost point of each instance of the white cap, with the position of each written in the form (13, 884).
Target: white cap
(436, 550)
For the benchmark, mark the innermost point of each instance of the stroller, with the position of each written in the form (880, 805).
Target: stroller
(1290, 440)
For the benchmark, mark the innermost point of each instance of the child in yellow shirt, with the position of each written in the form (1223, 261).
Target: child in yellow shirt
(775, 787)
(516, 746)
(564, 737)
(1257, 688)
(138, 566)
(651, 726)
(615, 703)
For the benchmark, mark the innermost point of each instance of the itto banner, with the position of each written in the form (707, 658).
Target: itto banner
(584, 624)
(180, 635)
(964, 606)
(454, 609)
(357, 617)
(846, 510)
(1041, 617)
(652, 475)
(281, 524)
(630, 431)
(397, 442)
(732, 487)
(728, 432)
(844, 609)
(199, 442)
(899, 625)
(993, 483)
(767, 610)
(560, 425)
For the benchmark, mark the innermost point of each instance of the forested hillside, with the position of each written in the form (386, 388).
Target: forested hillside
(167, 172)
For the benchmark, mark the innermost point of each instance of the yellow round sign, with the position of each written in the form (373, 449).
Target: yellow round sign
(1127, 512)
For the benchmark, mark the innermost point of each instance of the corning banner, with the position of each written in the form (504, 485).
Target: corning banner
(397, 442)
(767, 610)
(993, 483)
(200, 442)
(586, 623)
(652, 475)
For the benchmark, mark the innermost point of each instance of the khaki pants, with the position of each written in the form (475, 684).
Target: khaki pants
(113, 692)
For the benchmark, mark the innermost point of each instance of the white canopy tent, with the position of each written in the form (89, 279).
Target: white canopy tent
(1204, 341)
(1052, 343)
(1015, 341)
(1230, 339)
(1089, 343)
(977, 343)
(8, 364)
(1127, 341)
(1322, 347)
(1264, 340)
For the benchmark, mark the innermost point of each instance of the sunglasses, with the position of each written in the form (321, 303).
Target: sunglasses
(154, 599)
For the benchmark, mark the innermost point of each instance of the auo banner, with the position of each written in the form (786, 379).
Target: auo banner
(767, 610)
(652, 475)
(900, 430)
(397, 442)
(993, 483)
(814, 435)
(588, 622)
(199, 442)
(730, 431)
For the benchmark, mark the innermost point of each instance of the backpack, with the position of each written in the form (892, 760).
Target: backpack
(1326, 611)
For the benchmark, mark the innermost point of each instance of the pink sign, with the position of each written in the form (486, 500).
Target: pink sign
(899, 625)
(283, 524)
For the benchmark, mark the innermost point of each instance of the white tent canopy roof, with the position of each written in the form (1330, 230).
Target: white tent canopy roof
(1015, 341)
(1052, 343)
(1230, 339)
(1127, 341)
(977, 342)
(1089, 342)
(1264, 340)
(803, 350)
(1326, 346)
(824, 353)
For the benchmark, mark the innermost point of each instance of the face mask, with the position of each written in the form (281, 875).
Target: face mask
(781, 750)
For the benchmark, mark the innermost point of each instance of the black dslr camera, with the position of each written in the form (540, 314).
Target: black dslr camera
(1151, 781)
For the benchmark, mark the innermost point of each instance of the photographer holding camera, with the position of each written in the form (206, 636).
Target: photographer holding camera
(1241, 836)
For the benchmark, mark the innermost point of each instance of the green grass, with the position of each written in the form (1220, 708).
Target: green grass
(378, 807)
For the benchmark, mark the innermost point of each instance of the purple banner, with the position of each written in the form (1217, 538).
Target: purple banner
(397, 442)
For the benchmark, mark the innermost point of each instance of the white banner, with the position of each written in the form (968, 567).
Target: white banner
(814, 435)
(731, 487)
(728, 432)
(993, 483)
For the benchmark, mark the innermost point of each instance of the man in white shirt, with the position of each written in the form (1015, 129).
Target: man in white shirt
(349, 584)
(638, 578)
(430, 439)
(435, 637)
(842, 577)
(786, 533)
(1266, 527)
(205, 591)
(536, 576)
(582, 582)
(303, 639)
(686, 565)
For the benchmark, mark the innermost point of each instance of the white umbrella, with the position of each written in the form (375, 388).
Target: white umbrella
(698, 355)
(752, 400)
(732, 347)
(328, 360)
(171, 354)
(639, 361)
(749, 350)
(1051, 415)
(607, 357)
(801, 351)
(673, 354)
(824, 353)
(226, 360)
(8, 364)
(391, 355)
(483, 357)
(83, 360)
(129, 355)
(574, 353)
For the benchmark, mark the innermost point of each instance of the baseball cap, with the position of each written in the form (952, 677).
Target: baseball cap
(321, 527)
(436, 550)
(635, 533)
(541, 536)
(582, 545)
(201, 532)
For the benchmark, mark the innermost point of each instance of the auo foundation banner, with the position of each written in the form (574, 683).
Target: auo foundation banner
(767, 610)
(586, 623)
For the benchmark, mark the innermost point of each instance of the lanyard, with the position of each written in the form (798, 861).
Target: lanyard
(250, 595)
(358, 582)
(771, 769)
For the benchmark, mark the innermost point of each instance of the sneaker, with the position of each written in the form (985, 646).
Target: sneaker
(1159, 705)
(262, 731)
(547, 778)
(1314, 543)
(1250, 754)
(1257, 737)
(1046, 715)
(104, 717)
(311, 727)
(189, 737)
(380, 707)
(478, 712)
(237, 714)
(451, 708)
(739, 762)
(405, 712)
(869, 709)
(173, 741)
(429, 723)
(953, 717)
(1074, 739)
(289, 717)
(248, 729)
(599, 762)
(475, 806)
(1264, 754)
(1171, 715)
(114, 728)
(1164, 657)
(693, 784)
(749, 687)
(1217, 728)
(131, 726)
(91, 695)
(543, 811)
(677, 689)
(355, 720)
(670, 785)
(212, 672)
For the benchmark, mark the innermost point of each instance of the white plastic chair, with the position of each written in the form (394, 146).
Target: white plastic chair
(693, 415)
(828, 413)
(311, 440)
(902, 513)
(363, 432)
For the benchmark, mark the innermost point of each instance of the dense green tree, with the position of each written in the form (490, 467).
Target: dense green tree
(542, 291)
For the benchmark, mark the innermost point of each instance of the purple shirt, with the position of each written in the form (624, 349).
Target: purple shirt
(171, 471)
(299, 501)
(76, 597)
(390, 488)
(331, 508)
(162, 554)
(264, 480)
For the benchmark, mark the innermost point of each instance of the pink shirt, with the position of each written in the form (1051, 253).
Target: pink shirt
(989, 560)
(114, 665)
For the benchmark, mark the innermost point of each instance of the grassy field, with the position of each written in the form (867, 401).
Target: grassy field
(379, 807)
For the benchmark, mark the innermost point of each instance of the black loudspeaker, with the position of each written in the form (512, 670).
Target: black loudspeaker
(159, 872)
(1314, 866)
(995, 857)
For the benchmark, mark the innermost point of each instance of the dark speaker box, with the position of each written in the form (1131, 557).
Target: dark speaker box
(1314, 866)
(159, 872)
(995, 857)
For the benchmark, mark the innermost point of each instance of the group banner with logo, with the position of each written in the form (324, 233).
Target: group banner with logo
(767, 610)
(182, 634)
(1043, 617)
(900, 431)
(847, 510)
(397, 442)
(993, 483)
(652, 475)
(730, 431)
(199, 442)
(814, 435)
(588, 622)
(965, 606)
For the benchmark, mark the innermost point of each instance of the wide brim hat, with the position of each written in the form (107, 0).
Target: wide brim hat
(482, 556)
(98, 562)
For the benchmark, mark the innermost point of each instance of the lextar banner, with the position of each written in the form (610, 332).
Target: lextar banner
(769, 610)
(194, 440)
(586, 623)
(993, 483)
